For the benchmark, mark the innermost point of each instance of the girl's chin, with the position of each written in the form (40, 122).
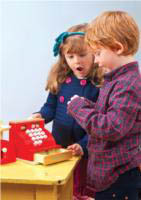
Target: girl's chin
(80, 75)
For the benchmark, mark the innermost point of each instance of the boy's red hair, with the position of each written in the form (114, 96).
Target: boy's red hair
(111, 27)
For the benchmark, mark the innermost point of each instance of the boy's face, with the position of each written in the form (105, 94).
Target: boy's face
(106, 58)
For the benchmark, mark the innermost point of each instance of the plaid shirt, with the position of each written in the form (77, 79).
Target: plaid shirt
(114, 126)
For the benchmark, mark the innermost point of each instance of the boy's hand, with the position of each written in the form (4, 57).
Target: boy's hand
(35, 116)
(73, 97)
(76, 149)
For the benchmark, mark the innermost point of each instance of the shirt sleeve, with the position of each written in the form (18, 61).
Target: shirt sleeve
(83, 143)
(48, 110)
(117, 120)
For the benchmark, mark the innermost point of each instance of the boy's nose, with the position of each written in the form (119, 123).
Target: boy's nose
(96, 60)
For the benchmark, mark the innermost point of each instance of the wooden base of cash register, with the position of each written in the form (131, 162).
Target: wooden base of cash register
(52, 156)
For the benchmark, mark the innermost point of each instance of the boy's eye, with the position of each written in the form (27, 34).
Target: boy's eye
(97, 53)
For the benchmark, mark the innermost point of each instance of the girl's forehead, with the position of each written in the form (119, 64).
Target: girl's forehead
(75, 46)
(76, 49)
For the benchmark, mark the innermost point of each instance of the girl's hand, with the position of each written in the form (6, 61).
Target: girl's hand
(35, 116)
(76, 149)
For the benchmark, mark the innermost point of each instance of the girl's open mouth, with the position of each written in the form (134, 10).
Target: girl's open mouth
(79, 68)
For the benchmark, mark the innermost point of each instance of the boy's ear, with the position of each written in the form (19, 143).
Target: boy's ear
(119, 48)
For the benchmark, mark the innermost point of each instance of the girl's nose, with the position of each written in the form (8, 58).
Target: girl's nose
(77, 59)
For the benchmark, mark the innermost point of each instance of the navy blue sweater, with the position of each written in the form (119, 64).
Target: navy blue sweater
(65, 129)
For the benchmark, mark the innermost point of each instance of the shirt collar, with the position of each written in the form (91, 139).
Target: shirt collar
(120, 70)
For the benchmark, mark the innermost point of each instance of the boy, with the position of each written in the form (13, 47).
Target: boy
(114, 121)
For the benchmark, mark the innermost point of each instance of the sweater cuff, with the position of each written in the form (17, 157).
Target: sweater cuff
(74, 105)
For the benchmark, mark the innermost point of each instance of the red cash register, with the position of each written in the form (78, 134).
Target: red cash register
(7, 154)
(33, 142)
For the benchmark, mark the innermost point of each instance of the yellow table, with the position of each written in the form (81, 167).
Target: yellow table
(22, 181)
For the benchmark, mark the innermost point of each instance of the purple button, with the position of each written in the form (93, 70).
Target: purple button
(61, 99)
(83, 82)
(68, 80)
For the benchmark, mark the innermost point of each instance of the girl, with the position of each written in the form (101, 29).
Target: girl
(73, 73)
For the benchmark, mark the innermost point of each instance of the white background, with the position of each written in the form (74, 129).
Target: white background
(27, 33)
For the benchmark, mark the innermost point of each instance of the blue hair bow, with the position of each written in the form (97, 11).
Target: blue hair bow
(60, 39)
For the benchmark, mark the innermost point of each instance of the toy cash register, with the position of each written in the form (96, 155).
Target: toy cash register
(7, 154)
(34, 143)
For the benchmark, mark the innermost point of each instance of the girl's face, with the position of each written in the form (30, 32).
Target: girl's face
(81, 63)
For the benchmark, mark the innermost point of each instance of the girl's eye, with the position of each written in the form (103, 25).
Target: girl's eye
(69, 56)
(83, 54)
